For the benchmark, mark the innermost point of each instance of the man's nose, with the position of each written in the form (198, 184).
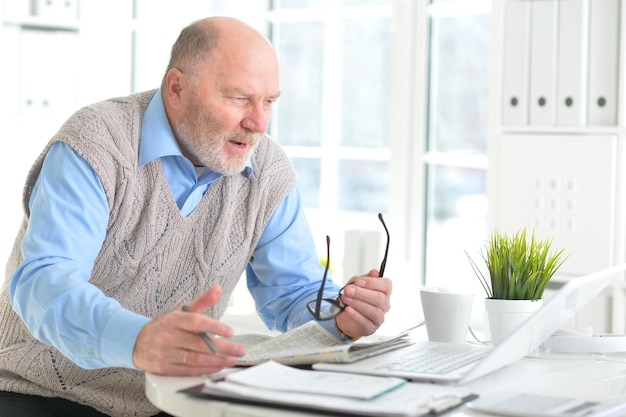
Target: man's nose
(256, 119)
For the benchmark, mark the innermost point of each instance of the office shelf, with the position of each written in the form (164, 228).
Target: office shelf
(557, 165)
(40, 23)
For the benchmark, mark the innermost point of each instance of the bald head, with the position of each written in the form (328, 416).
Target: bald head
(213, 37)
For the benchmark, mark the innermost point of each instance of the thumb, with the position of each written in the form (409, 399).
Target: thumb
(206, 299)
(373, 273)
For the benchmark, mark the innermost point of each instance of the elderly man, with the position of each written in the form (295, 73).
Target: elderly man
(141, 205)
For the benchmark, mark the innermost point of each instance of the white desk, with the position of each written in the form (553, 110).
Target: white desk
(590, 377)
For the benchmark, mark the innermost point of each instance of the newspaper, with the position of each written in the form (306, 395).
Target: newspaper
(311, 343)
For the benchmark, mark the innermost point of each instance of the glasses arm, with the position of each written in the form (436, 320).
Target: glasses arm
(320, 293)
(383, 264)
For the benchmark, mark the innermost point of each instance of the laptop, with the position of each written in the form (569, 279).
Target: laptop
(460, 363)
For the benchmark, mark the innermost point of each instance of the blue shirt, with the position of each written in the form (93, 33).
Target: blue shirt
(69, 216)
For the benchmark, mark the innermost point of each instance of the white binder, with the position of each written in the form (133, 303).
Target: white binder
(35, 58)
(48, 73)
(543, 56)
(515, 63)
(9, 104)
(603, 62)
(55, 9)
(573, 32)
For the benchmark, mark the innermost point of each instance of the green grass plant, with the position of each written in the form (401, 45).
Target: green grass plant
(519, 268)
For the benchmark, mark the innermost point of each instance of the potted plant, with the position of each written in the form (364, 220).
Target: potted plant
(519, 269)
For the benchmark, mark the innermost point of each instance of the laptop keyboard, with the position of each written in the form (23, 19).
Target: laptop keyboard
(438, 360)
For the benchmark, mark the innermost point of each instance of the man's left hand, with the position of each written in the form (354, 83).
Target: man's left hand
(367, 300)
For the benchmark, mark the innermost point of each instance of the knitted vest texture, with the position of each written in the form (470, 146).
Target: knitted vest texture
(152, 260)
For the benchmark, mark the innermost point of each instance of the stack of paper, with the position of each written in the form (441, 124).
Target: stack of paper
(275, 385)
(274, 377)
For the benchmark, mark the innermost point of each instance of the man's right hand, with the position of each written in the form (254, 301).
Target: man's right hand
(170, 344)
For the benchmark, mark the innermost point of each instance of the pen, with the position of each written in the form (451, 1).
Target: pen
(203, 335)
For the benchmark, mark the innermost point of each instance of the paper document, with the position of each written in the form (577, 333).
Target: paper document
(277, 377)
(517, 404)
(279, 386)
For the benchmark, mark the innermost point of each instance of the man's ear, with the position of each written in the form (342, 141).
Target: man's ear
(175, 85)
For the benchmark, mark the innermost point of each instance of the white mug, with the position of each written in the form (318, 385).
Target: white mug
(447, 315)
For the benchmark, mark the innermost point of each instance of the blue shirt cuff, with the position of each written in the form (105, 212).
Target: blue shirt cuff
(119, 337)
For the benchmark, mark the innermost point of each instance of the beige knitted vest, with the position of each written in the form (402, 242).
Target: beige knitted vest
(152, 260)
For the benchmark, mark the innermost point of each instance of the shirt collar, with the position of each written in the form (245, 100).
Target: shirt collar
(157, 138)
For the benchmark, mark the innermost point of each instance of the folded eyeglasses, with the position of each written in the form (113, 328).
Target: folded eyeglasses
(329, 308)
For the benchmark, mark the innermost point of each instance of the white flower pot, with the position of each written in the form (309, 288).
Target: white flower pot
(505, 315)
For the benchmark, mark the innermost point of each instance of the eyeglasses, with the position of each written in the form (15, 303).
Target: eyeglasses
(329, 308)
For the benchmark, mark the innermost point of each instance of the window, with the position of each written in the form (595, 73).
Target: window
(333, 116)
(456, 146)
